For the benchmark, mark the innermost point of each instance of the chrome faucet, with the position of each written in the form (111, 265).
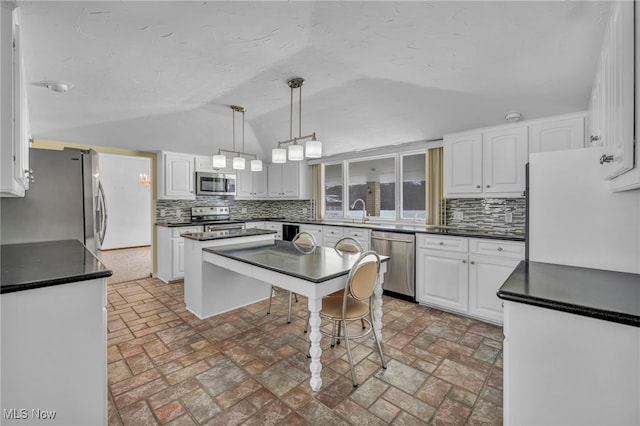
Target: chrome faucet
(364, 209)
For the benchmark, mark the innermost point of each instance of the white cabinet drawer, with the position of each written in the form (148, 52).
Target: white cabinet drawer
(459, 244)
(333, 231)
(254, 225)
(312, 229)
(176, 232)
(512, 249)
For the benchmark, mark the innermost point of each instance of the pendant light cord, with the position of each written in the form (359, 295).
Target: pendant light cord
(300, 114)
(291, 116)
(233, 112)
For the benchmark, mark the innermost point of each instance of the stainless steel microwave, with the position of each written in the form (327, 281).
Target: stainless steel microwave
(208, 183)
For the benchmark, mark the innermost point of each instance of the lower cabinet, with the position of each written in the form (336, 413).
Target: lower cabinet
(171, 251)
(331, 235)
(464, 274)
(315, 230)
(276, 226)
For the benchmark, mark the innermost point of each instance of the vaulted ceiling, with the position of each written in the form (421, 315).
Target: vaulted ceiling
(152, 75)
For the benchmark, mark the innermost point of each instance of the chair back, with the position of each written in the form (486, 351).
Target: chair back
(349, 244)
(304, 239)
(363, 275)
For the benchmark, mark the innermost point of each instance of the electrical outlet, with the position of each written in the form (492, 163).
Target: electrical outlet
(458, 215)
(163, 212)
(508, 217)
(304, 210)
(243, 210)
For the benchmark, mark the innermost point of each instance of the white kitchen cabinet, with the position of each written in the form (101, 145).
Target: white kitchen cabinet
(463, 165)
(171, 251)
(505, 153)
(490, 264)
(331, 235)
(251, 185)
(290, 180)
(204, 163)
(14, 114)
(254, 225)
(464, 274)
(443, 278)
(612, 98)
(486, 164)
(176, 178)
(361, 234)
(557, 134)
(315, 230)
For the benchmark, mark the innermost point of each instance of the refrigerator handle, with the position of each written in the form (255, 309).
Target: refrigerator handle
(103, 213)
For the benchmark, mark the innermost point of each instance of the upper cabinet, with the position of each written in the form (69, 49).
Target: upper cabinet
(205, 164)
(486, 164)
(611, 108)
(14, 115)
(251, 185)
(289, 180)
(557, 134)
(176, 177)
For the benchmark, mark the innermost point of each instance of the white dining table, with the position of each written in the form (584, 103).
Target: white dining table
(238, 273)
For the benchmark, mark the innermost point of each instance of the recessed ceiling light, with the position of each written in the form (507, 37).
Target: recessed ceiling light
(513, 116)
(55, 86)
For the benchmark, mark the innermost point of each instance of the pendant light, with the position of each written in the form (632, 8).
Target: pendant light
(238, 162)
(296, 152)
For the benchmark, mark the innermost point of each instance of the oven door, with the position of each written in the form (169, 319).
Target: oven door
(222, 230)
(210, 184)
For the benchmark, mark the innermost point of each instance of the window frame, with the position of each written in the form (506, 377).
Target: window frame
(399, 191)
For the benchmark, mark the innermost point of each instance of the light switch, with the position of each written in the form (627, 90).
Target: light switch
(458, 215)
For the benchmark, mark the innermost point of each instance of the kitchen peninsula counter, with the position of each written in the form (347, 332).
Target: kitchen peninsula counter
(28, 266)
(54, 333)
(606, 295)
(572, 345)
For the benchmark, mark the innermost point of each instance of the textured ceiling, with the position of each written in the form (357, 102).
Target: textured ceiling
(160, 75)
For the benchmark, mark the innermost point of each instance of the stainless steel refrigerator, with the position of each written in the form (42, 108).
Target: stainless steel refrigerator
(63, 202)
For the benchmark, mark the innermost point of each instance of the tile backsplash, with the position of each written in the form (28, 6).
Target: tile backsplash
(176, 211)
(485, 213)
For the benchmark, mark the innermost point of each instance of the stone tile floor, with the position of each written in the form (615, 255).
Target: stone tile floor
(245, 367)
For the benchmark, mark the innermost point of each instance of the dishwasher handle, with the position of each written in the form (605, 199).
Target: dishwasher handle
(391, 239)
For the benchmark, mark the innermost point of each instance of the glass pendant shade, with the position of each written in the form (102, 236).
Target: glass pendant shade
(219, 161)
(238, 163)
(278, 155)
(296, 153)
(256, 165)
(313, 149)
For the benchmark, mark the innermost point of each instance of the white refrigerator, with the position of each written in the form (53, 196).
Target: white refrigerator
(574, 218)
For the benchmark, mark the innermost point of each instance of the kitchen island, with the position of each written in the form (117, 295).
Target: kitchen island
(572, 346)
(244, 273)
(53, 337)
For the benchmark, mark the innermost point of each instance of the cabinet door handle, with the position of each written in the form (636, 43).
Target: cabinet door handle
(472, 262)
(478, 186)
(464, 261)
(606, 158)
(499, 248)
(441, 243)
(488, 186)
(593, 139)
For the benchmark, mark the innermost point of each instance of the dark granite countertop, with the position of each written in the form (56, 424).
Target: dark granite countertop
(606, 295)
(34, 265)
(390, 227)
(315, 264)
(226, 233)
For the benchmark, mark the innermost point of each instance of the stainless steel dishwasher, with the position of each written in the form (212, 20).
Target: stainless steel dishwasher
(399, 280)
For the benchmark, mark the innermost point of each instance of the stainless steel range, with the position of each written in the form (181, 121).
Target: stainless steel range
(214, 218)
